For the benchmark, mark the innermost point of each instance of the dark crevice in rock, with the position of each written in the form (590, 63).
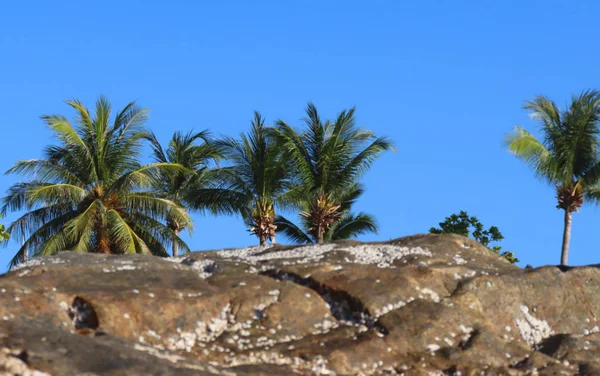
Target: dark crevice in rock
(468, 342)
(452, 371)
(344, 307)
(83, 315)
(521, 363)
(587, 369)
(557, 346)
(22, 355)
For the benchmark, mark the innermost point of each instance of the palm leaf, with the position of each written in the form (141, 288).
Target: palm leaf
(527, 148)
(292, 231)
(352, 225)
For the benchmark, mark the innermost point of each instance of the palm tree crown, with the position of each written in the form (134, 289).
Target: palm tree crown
(90, 193)
(175, 185)
(256, 181)
(327, 159)
(567, 156)
(344, 224)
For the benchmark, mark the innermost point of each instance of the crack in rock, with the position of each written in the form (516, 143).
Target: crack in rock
(344, 307)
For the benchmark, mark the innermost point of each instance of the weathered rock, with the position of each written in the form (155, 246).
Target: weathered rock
(421, 305)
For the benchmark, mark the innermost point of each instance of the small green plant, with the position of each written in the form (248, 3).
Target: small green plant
(4, 235)
(462, 224)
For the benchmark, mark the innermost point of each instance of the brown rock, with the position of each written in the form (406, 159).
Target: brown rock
(421, 305)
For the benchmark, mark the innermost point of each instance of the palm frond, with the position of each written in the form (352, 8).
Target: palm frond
(291, 231)
(122, 236)
(527, 148)
(18, 197)
(53, 193)
(352, 225)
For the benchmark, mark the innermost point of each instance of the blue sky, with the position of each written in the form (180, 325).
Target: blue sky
(444, 79)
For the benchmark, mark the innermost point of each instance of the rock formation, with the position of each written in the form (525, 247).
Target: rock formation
(420, 305)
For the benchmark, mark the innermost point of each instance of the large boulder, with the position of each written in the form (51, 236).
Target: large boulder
(420, 305)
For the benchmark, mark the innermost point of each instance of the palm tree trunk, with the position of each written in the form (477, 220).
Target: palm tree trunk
(564, 255)
(263, 239)
(320, 234)
(26, 252)
(175, 244)
(103, 242)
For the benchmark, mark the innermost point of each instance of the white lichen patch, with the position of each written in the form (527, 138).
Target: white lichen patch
(253, 255)
(125, 267)
(316, 366)
(388, 308)
(382, 255)
(458, 259)
(533, 330)
(368, 254)
(38, 262)
(432, 294)
(470, 273)
(114, 269)
(152, 333)
(157, 353)
(204, 331)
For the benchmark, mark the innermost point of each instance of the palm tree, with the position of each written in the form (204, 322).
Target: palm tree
(90, 193)
(327, 159)
(567, 156)
(175, 185)
(255, 182)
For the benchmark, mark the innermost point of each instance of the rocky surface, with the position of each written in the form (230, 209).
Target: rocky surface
(421, 305)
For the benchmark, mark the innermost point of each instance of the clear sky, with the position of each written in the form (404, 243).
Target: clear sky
(445, 80)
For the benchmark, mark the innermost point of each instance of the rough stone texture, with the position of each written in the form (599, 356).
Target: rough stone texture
(420, 305)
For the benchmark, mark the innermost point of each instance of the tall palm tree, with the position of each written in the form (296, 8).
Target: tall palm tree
(327, 159)
(183, 150)
(256, 181)
(90, 193)
(567, 155)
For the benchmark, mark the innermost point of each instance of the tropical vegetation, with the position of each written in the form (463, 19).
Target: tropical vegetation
(256, 179)
(90, 193)
(465, 225)
(4, 235)
(567, 153)
(327, 159)
(177, 185)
